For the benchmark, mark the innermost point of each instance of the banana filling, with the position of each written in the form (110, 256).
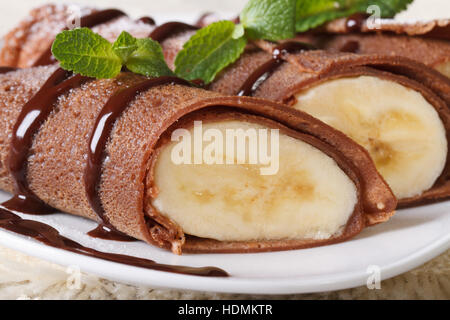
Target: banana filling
(399, 128)
(307, 197)
(444, 68)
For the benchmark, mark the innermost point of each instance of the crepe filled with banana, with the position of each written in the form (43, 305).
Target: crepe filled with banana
(394, 107)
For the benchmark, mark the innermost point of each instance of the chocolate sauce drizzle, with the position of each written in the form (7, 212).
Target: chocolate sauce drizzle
(262, 73)
(87, 21)
(206, 18)
(51, 237)
(147, 20)
(355, 22)
(258, 77)
(100, 134)
(167, 30)
(439, 32)
(6, 69)
(30, 119)
(108, 233)
(350, 46)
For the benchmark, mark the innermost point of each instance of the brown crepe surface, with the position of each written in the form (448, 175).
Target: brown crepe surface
(431, 52)
(424, 41)
(439, 29)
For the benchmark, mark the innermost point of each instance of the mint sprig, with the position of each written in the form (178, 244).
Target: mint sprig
(216, 46)
(313, 13)
(87, 53)
(209, 51)
(269, 19)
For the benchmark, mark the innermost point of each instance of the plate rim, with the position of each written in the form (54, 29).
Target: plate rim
(236, 285)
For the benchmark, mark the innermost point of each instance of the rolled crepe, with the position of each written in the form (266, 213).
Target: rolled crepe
(42, 25)
(432, 52)
(326, 189)
(395, 107)
(437, 29)
(426, 42)
(423, 41)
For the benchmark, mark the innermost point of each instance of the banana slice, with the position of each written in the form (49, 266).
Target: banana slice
(444, 68)
(309, 197)
(399, 128)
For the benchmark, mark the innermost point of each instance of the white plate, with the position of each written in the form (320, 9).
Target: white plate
(408, 240)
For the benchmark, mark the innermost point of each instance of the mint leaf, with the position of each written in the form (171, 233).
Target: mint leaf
(148, 59)
(209, 51)
(269, 19)
(124, 46)
(388, 8)
(313, 13)
(85, 52)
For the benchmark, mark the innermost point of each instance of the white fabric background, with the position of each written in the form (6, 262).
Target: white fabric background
(25, 277)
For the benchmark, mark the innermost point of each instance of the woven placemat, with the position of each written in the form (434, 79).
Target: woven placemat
(24, 277)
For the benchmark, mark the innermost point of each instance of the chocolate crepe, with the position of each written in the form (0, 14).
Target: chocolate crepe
(434, 53)
(437, 29)
(296, 71)
(57, 158)
(426, 42)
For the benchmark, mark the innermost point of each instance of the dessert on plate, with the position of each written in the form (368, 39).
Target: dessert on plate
(285, 146)
(102, 149)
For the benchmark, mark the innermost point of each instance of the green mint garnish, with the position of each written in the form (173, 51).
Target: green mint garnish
(218, 45)
(313, 13)
(125, 45)
(148, 59)
(210, 50)
(269, 19)
(238, 32)
(87, 53)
